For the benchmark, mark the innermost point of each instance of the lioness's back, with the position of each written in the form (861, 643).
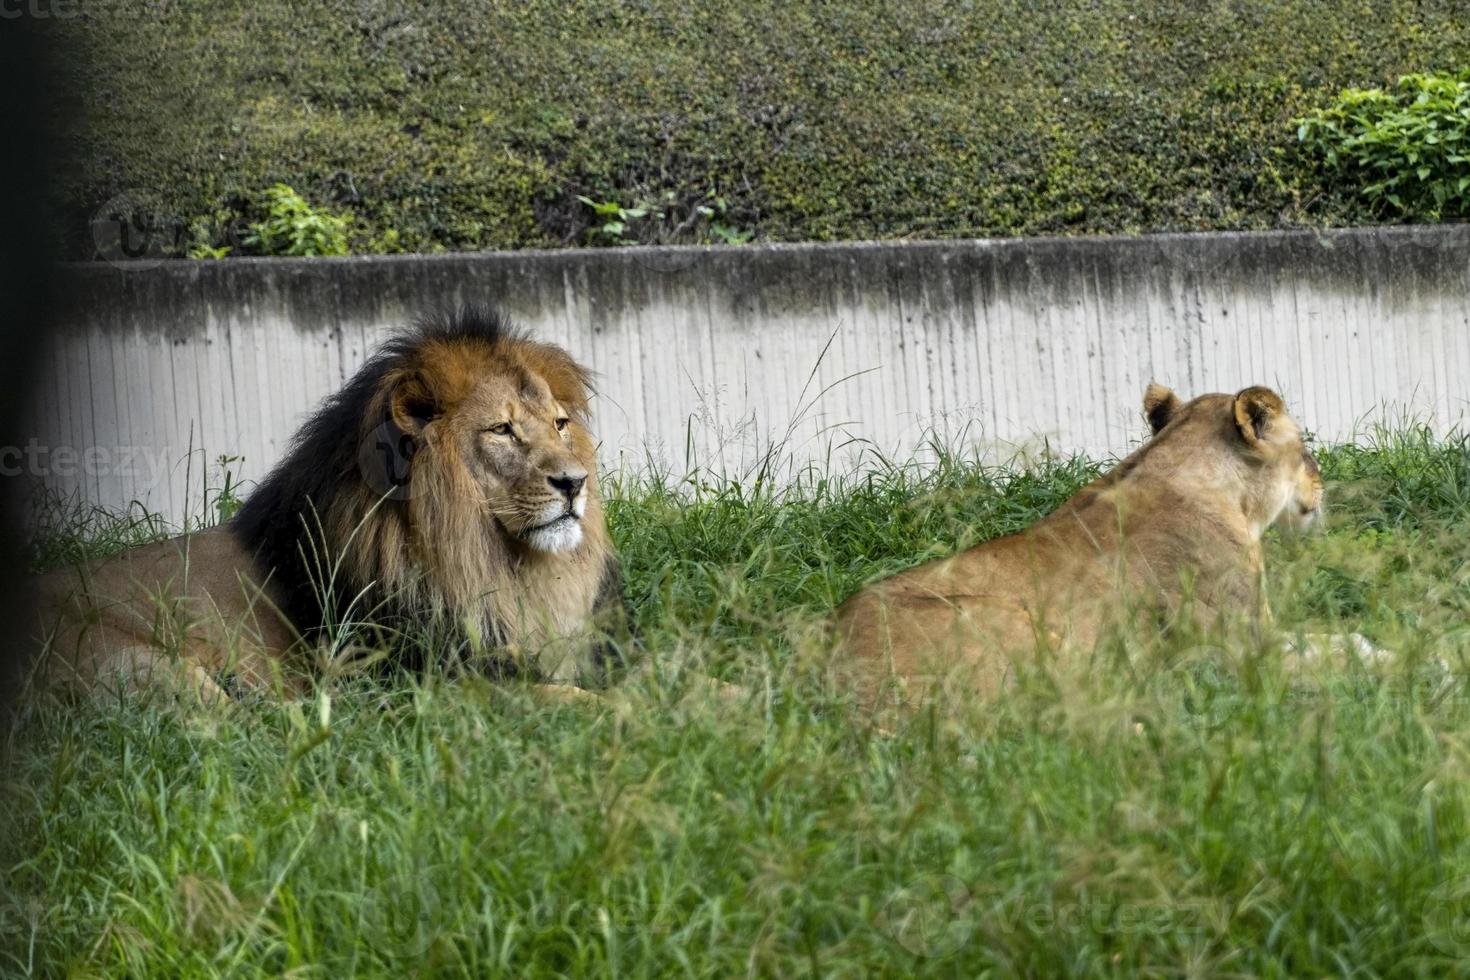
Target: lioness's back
(202, 591)
(1181, 515)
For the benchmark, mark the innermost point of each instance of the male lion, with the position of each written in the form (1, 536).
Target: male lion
(1181, 517)
(447, 493)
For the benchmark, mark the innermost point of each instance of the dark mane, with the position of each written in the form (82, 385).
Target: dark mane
(284, 516)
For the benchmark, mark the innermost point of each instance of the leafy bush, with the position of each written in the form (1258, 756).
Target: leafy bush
(614, 221)
(293, 227)
(1407, 152)
(706, 223)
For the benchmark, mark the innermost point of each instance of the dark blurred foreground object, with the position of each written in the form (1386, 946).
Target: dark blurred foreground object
(25, 312)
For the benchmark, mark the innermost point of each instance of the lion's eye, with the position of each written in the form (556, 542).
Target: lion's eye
(503, 429)
(561, 424)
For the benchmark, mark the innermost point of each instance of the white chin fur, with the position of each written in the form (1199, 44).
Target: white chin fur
(562, 535)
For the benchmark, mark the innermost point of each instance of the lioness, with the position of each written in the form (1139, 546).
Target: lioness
(449, 490)
(1184, 513)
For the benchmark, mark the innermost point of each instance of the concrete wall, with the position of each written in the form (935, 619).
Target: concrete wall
(709, 355)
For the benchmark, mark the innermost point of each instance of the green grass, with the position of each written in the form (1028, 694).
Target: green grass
(1196, 813)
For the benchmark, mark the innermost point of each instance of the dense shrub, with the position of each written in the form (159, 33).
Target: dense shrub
(1406, 152)
(482, 126)
(293, 227)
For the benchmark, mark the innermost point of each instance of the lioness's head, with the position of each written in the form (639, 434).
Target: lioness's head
(500, 421)
(1252, 428)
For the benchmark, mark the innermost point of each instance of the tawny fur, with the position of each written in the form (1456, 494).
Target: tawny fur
(1180, 517)
(455, 546)
(179, 613)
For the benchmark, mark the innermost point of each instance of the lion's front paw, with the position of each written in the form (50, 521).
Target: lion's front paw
(1316, 647)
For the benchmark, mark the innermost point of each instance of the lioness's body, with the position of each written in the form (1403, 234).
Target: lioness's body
(195, 607)
(1183, 514)
(450, 490)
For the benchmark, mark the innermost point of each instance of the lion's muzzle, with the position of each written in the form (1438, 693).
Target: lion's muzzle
(568, 485)
(558, 525)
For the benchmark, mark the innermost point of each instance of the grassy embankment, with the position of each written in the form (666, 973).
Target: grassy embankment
(479, 126)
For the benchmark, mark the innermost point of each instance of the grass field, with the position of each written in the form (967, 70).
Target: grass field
(1195, 812)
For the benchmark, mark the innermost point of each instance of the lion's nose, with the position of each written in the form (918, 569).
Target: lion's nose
(567, 486)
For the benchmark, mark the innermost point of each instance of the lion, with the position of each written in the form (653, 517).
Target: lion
(1177, 525)
(449, 492)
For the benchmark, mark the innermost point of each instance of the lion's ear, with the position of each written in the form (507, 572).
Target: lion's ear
(411, 402)
(1160, 405)
(570, 382)
(1257, 411)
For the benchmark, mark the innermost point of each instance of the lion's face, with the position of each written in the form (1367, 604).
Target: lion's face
(521, 445)
(499, 431)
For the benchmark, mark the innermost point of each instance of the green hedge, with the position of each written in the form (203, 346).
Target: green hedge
(438, 126)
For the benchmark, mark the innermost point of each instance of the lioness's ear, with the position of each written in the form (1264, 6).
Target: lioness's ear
(1159, 406)
(411, 403)
(1256, 411)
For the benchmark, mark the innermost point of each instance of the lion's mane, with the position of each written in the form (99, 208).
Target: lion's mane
(361, 522)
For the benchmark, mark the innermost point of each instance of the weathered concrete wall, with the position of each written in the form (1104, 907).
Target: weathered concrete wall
(707, 355)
